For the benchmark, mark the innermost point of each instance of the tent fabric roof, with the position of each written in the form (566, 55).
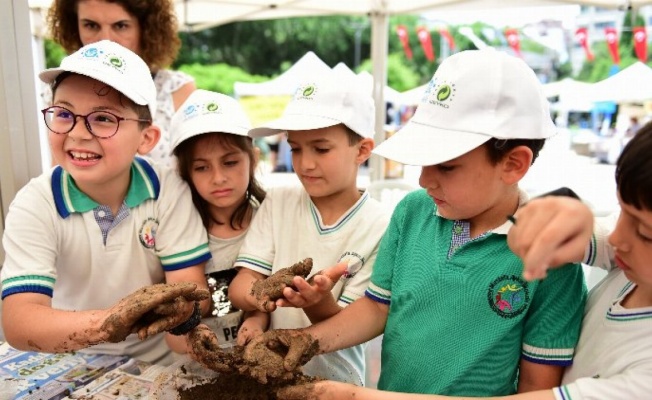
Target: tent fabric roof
(286, 83)
(306, 67)
(631, 84)
(201, 14)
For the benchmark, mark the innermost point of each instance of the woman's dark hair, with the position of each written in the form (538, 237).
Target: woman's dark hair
(498, 148)
(159, 41)
(634, 170)
(184, 153)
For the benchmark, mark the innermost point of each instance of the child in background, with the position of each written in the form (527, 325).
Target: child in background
(329, 124)
(218, 161)
(446, 291)
(613, 359)
(102, 224)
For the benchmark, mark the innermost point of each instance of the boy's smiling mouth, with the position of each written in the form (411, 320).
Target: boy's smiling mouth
(83, 156)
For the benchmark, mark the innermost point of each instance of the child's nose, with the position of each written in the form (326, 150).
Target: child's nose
(218, 176)
(428, 177)
(80, 130)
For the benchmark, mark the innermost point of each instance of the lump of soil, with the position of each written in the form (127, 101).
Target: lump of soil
(262, 363)
(271, 288)
(237, 387)
(188, 380)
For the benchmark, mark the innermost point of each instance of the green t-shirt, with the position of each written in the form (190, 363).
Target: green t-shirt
(459, 325)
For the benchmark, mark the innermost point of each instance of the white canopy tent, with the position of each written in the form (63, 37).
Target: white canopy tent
(571, 95)
(631, 85)
(285, 83)
(201, 14)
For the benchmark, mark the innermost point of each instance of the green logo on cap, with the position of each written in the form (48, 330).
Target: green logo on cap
(115, 61)
(443, 93)
(212, 107)
(308, 91)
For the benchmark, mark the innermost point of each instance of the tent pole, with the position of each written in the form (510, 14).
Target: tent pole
(379, 46)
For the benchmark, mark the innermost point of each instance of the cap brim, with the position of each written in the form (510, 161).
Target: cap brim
(121, 85)
(293, 123)
(196, 131)
(421, 145)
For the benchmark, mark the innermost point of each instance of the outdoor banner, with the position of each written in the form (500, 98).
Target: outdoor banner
(612, 43)
(582, 36)
(512, 39)
(449, 38)
(426, 43)
(402, 32)
(640, 43)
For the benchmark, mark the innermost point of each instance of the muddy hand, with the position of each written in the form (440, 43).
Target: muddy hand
(125, 317)
(324, 390)
(168, 315)
(205, 349)
(294, 345)
(267, 291)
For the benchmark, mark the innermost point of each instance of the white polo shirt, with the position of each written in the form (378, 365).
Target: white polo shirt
(54, 245)
(288, 228)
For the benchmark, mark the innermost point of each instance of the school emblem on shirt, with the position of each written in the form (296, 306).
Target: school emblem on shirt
(354, 261)
(147, 233)
(508, 296)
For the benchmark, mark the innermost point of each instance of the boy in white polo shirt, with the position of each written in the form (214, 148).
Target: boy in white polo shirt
(329, 124)
(103, 223)
(446, 291)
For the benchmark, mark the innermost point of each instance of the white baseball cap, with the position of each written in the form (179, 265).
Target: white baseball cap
(113, 64)
(205, 111)
(329, 99)
(474, 96)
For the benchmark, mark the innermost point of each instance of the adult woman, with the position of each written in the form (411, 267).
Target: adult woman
(148, 28)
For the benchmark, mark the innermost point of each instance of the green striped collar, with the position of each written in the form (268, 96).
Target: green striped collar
(144, 185)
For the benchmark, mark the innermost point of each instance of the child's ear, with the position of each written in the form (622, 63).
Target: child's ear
(364, 150)
(149, 137)
(256, 158)
(516, 164)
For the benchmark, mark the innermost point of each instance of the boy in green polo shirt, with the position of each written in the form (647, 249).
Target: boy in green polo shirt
(446, 290)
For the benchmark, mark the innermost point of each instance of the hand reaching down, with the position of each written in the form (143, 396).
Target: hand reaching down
(287, 348)
(151, 309)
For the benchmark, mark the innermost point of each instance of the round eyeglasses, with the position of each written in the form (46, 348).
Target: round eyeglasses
(101, 124)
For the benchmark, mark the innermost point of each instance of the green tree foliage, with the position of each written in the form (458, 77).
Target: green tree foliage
(261, 47)
(219, 77)
(53, 54)
(399, 74)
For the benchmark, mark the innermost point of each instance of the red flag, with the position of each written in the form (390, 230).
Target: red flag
(426, 43)
(583, 37)
(449, 38)
(512, 39)
(640, 43)
(402, 32)
(612, 43)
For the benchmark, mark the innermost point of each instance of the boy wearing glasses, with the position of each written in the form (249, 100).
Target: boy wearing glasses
(103, 223)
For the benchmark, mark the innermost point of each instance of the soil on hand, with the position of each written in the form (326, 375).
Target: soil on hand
(240, 379)
(272, 287)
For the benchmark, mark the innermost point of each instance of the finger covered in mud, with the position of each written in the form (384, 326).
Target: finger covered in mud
(139, 309)
(271, 289)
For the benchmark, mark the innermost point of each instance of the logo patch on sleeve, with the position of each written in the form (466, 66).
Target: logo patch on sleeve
(147, 233)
